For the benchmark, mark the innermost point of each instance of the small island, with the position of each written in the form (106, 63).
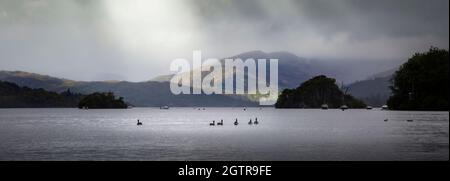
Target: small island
(315, 93)
(101, 100)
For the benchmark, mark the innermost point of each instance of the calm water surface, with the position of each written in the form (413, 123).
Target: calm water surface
(185, 134)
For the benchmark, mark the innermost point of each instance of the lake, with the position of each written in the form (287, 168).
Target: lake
(185, 134)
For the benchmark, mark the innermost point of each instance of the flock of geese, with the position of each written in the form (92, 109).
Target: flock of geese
(213, 123)
(139, 123)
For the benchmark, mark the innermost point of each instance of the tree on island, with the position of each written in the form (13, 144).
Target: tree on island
(315, 92)
(102, 100)
(422, 82)
(14, 96)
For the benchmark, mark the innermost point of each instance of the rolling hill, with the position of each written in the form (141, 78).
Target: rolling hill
(147, 93)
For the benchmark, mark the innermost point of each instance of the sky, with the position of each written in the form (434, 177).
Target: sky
(136, 40)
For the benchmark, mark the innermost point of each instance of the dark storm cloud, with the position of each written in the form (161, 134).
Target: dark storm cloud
(349, 29)
(399, 18)
(137, 39)
(362, 18)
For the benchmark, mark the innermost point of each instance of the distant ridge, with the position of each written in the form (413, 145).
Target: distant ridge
(374, 90)
(387, 73)
(162, 78)
(293, 70)
(149, 93)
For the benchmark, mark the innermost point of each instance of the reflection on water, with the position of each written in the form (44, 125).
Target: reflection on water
(185, 134)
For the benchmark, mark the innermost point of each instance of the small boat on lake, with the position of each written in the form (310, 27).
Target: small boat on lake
(369, 107)
(324, 106)
(344, 107)
(164, 107)
(384, 107)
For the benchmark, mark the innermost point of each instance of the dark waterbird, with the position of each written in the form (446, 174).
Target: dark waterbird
(213, 123)
(236, 122)
(139, 123)
(256, 121)
(220, 123)
(250, 122)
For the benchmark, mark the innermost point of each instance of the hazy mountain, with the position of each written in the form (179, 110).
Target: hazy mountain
(387, 73)
(294, 70)
(375, 90)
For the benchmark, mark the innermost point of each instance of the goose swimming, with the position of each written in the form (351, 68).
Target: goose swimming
(236, 122)
(139, 123)
(256, 121)
(250, 122)
(213, 123)
(220, 123)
